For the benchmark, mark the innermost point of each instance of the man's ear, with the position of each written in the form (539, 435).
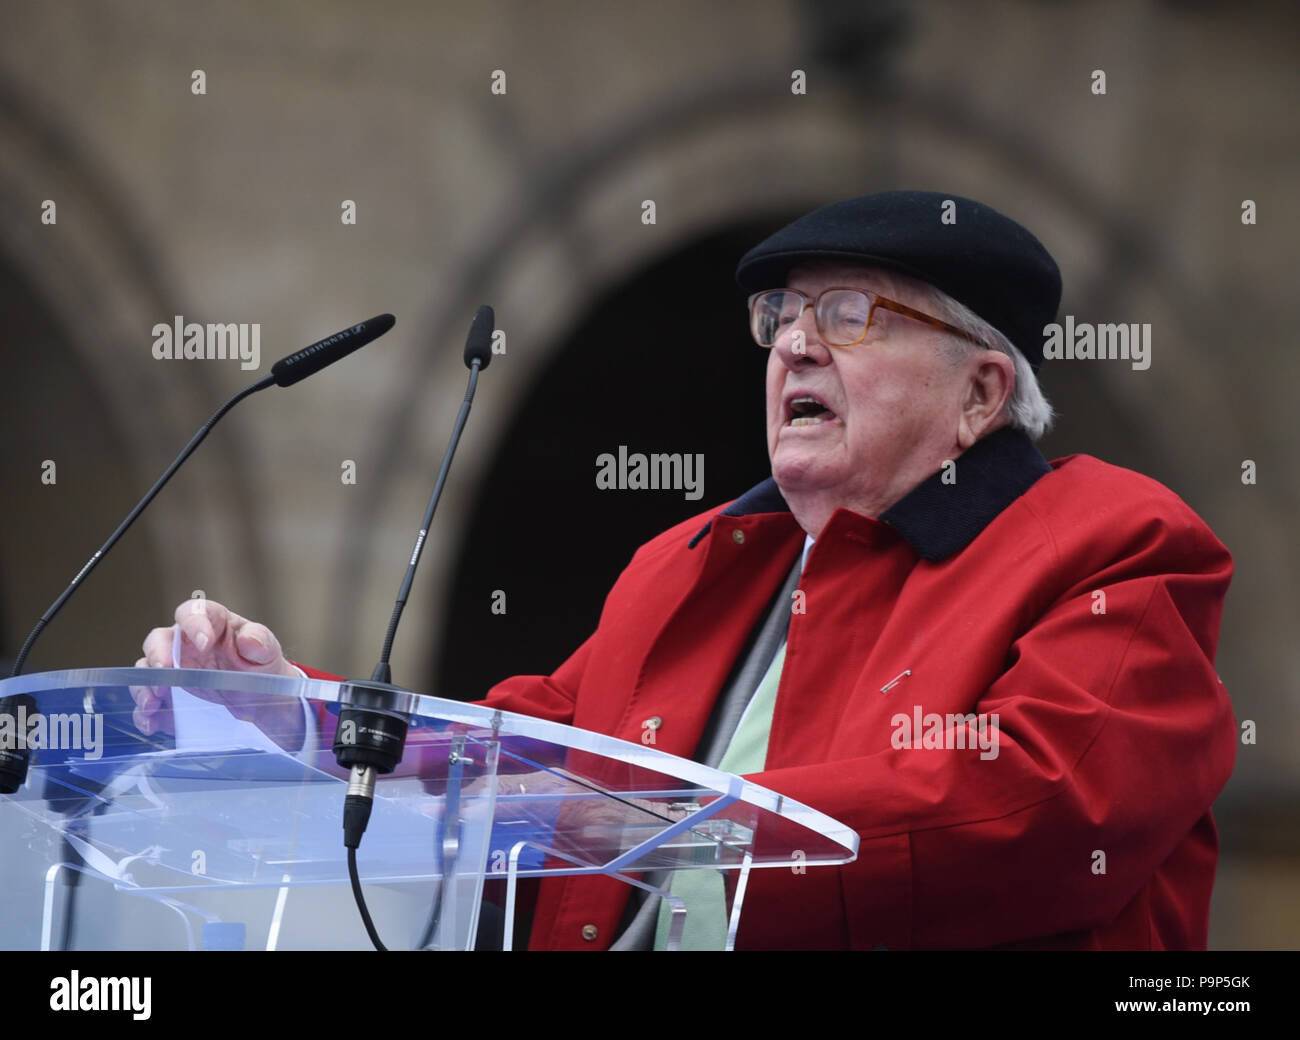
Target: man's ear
(990, 379)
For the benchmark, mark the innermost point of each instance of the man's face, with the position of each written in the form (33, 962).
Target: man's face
(893, 400)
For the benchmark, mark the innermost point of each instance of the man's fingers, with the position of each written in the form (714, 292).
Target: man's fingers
(203, 622)
(153, 722)
(212, 636)
(256, 644)
(148, 699)
(152, 713)
(157, 648)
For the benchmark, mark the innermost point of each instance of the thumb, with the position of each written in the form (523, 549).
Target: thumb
(256, 645)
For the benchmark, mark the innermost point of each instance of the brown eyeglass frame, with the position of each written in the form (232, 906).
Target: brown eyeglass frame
(874, 299)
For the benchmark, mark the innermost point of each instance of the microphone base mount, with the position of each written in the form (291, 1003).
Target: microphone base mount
(373, 720)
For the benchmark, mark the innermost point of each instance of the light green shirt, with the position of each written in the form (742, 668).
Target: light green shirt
(702, 889)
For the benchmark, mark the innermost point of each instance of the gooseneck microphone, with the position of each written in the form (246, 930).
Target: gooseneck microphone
(285, 372)
(324, 352)
(478, 353)
(371, 733)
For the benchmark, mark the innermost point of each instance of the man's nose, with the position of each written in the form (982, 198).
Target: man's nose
(802, 344)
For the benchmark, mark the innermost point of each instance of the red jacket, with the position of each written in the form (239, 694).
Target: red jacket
(1079, 603)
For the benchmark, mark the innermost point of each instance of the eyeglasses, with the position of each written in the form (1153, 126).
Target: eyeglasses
(842, 313)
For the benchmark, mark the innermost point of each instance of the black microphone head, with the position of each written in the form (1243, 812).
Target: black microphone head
(478, 346)
(310, 360)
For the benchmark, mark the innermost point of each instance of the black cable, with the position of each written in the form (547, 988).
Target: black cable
(361, 902)
(73, 884)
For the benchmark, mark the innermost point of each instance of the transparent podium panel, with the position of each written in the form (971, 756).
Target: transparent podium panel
(223, 828)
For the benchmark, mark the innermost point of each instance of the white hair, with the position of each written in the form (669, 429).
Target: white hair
(1027, 409)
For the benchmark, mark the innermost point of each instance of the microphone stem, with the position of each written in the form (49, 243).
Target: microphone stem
(381, 672)
(93, 562)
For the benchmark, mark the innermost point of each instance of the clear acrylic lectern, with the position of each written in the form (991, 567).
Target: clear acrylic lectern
(219, 837)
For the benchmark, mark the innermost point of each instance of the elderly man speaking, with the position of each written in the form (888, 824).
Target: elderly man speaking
(999, 671)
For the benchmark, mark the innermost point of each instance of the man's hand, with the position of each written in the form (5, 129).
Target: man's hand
(213, 636)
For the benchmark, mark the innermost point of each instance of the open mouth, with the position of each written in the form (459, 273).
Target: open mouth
(807, 411)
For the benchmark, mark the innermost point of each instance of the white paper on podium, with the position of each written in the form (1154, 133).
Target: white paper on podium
(203, 726)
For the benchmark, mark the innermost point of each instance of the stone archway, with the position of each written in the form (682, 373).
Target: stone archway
(572, 232)
(79, 295)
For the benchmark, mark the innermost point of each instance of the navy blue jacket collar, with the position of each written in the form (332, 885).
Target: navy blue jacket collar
(937, 519)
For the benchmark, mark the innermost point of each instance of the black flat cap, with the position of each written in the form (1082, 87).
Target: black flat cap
(982, 259)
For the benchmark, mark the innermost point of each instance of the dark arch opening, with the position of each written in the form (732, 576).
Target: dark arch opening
(656, 376)
(661, 363)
